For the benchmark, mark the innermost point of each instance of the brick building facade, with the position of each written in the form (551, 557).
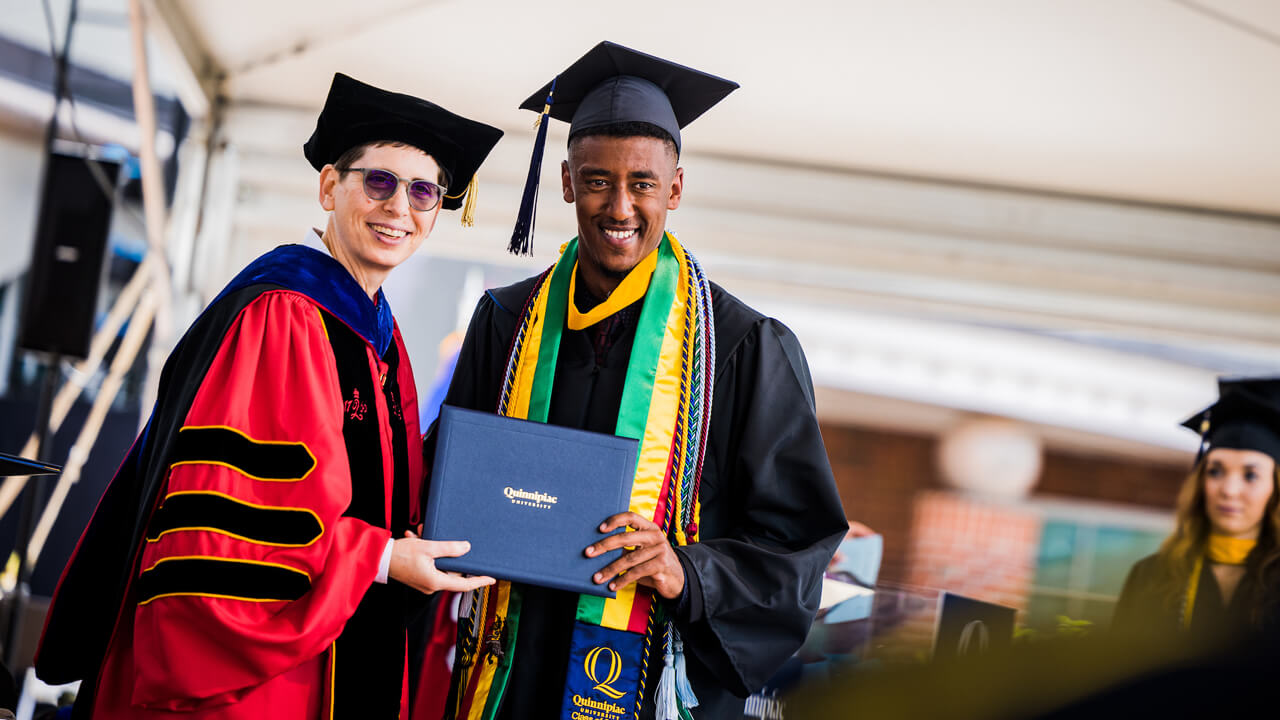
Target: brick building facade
(990, 549)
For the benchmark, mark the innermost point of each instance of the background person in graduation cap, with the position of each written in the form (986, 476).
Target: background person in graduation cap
(251, 558)
(625, 334)
(1219, 572)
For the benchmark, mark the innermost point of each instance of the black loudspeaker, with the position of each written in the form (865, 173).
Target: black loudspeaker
(66, 265)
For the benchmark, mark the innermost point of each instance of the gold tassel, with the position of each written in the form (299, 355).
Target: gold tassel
(469, 207)
(546, 110)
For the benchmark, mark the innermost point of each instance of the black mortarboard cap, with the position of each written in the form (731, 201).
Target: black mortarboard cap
(12, 466)
(356, 113)
(614, 84)
(1245, 417)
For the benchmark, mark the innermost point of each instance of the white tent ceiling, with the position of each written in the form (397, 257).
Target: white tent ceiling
(1168, 101)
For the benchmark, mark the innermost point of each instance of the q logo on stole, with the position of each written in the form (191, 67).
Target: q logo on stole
(591, 663)
(603, 675)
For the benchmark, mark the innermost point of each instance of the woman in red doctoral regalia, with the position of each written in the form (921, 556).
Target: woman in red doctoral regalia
(254, 556)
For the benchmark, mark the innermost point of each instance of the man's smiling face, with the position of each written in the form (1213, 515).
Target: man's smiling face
(621, 189)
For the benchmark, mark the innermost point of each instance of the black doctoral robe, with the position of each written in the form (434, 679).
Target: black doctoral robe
(771, 515)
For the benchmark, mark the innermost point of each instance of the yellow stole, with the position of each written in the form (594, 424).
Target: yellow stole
(632, 288)
(1222, 550)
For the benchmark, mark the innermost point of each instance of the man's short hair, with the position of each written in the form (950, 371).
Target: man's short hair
(347, 159)
(625, 130)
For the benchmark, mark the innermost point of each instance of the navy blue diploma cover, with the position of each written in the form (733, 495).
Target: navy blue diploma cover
(528, 496)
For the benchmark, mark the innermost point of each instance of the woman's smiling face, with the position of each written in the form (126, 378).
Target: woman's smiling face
(370, 237)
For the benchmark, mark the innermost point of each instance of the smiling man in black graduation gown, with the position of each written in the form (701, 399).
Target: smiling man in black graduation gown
(734, 514)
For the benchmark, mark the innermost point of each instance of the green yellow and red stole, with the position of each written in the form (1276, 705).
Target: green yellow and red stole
(666, 404)
(1221, 549)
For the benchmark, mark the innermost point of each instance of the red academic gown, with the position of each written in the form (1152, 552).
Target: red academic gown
(252, 591)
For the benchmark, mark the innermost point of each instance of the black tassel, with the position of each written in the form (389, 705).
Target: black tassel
(522, 236)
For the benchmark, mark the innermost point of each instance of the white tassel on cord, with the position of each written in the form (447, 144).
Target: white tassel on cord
(684, 691)
(665, 700)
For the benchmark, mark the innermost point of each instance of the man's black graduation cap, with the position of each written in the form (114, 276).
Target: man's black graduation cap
(1245, 417)
(12, 466)
(356, 113)
(614, 84)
